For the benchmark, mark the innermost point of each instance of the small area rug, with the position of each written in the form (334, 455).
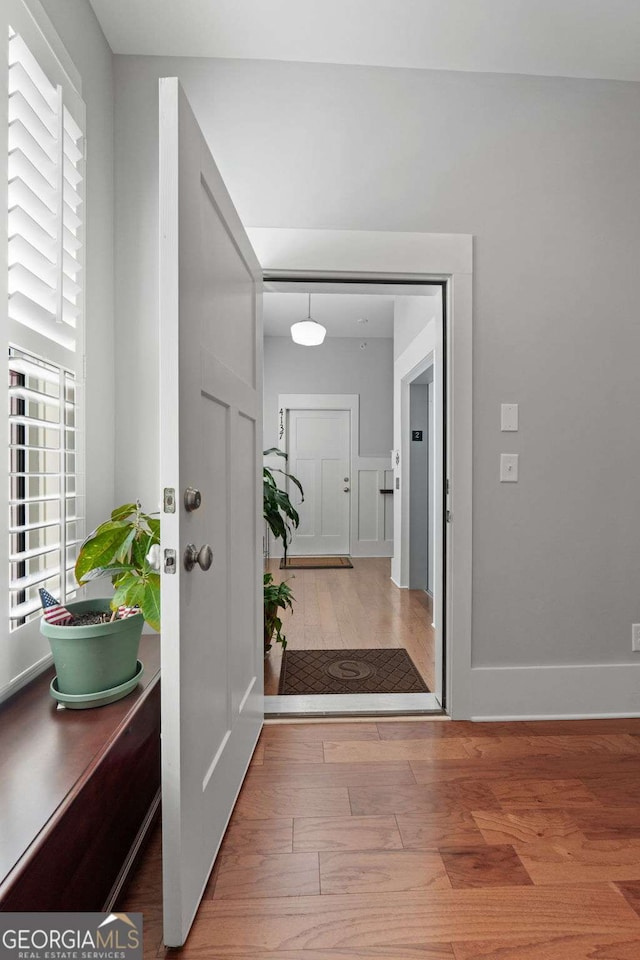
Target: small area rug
(316, 563)
(385, 670)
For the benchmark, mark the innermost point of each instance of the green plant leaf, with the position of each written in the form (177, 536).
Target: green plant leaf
(121, 513)
(129, 592)
(275, 452)
(154, 526)
(124, 553)
(100, 551)
(150, 603)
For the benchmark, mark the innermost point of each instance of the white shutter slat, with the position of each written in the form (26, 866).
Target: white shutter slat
(71, 174)
(71, 196)
(24, 555)
(20, 111)
(22, 280)
(23, 610)
(19, 54)
(71, 243)
(72, 150)
(20, 81)
(20, 168)
(22, 252)
(71, 220)
(21, 196)
(21, 139)
(71, 127)
(23, 226)
(33, 579)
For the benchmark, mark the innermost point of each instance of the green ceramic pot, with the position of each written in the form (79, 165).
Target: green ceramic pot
(94, 658)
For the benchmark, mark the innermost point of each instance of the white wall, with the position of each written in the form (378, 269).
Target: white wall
(84, 41)
(414, 324)
(338, 366)
(544, 172)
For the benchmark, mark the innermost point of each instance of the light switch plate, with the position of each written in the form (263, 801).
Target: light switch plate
(508, 467)
(509, 417)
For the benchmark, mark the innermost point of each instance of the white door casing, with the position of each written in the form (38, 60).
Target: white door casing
(381, 255)
(211, 433)
(319, 456)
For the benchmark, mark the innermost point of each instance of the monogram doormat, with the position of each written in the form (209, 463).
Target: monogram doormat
(316, 563)
(349, 671)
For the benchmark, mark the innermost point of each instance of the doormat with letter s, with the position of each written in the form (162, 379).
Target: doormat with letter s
(316, 563)
(391, 670)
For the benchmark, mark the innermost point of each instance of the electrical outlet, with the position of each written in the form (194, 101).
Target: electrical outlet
(635, 637)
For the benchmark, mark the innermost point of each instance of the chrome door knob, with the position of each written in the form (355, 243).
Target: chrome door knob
(192, 499)
(346, 489)
(203, 557)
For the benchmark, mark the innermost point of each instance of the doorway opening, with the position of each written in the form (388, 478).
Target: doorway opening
(361, 637)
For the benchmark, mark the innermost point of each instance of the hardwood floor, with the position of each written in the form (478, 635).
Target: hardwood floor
(369, 841)
(359, 608)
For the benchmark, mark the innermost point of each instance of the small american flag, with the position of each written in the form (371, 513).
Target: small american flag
(54, 612)
(124, 612)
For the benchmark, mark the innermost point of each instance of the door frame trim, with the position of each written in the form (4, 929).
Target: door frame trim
(395, 256)
(350, 402)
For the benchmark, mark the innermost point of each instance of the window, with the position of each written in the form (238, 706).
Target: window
(44, 507)
(45, 244)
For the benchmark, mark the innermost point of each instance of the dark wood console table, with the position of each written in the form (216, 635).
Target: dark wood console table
(78, 788)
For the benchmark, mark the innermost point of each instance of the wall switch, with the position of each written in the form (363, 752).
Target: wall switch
(508, 467)
(509, 417)
(635, 637)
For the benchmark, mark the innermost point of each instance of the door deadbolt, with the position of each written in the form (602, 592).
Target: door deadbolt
(192, 499)
(203, 557)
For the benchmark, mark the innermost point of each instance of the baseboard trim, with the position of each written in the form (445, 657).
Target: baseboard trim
(562, 692)
(398, 585)
(26, 677)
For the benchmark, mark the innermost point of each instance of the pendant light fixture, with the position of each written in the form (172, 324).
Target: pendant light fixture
(308, 333)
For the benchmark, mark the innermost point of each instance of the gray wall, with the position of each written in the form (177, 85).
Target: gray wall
(338, 366)
(82, 36)
(544, 172)
(411, 315)
(419, 487)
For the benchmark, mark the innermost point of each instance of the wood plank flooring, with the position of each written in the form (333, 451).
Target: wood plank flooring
(370, 841)
(359, 608)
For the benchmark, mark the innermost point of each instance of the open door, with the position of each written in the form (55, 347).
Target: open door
(210, 467)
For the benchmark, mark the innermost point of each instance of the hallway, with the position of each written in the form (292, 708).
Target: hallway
(425, 840)
(359, 608)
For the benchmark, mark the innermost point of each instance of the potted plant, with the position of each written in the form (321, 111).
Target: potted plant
(279, 512)
(95, 642)
(276, 596)
(281, 516)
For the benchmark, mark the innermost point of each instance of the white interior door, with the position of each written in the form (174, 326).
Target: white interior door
(210, 426)
(319, 456)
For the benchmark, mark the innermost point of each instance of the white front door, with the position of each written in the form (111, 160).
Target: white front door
(319, 456)
(210, 428)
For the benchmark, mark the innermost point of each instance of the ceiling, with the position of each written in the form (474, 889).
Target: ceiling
(338, 312)
(571, 38)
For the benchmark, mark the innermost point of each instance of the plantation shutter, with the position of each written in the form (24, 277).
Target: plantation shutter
(45, 348)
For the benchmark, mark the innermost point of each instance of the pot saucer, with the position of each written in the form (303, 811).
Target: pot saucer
(85, 701)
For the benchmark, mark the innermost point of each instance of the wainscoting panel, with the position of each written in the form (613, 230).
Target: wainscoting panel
(371, 510)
